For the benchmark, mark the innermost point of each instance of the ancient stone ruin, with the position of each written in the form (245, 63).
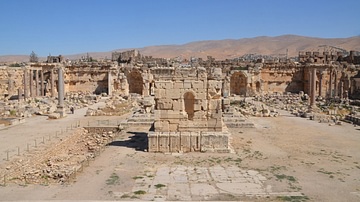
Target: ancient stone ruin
(194, 99)
(188, 114)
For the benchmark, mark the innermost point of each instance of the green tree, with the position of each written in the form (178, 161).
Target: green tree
(33, 57)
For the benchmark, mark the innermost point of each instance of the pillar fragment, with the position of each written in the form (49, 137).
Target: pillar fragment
(330, 85)
(31, 83)
(42, 92)
(52, 83)
(110, 86)
(60, 107)
(313, 87)
(25, 84)
(37, 83)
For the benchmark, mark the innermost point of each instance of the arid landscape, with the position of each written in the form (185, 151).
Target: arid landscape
(284, 158)
(253, 101)
(145, 128)
(227, 49)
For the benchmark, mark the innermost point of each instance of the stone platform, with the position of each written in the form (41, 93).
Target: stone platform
(189, 142)
(197, 183)
(138, 120)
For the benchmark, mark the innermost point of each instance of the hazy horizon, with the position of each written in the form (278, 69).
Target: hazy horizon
(71, 27)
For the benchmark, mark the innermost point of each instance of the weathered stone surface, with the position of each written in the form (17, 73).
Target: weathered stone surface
(54, 116)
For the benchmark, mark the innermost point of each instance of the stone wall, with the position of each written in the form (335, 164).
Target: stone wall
(334, 78)
(188, 114)
(189, 102)
(11, 79)
(88, 79)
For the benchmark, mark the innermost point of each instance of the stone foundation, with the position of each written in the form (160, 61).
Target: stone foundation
(189, 142)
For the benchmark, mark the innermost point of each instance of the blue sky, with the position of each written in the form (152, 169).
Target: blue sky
(79, 26)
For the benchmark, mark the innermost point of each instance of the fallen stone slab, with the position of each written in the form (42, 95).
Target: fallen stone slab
(54, 116)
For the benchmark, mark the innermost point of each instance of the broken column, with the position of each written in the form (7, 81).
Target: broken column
(25, 84)
(36, 83)
(32, 93)
(109, 83)
(226, 87)
(335, 85)
(330, 85)
(52, 82)
(20, 92)
(42, 92)
(10, 86)
(313, 87)
(60, 106)
(320, 83)
(341, 86)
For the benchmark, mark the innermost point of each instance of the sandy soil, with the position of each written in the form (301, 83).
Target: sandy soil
(294, 154)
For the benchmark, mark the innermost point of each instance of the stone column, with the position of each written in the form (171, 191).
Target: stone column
(37, 82)
(61, 87)
(60, 107)
(146, 88)
(341, 91)
(313, 87)
(31, 83)
(10, 86)
(20, 92)
(42, 93)
(110, 87)
(335, 85)
(330, 85)
(226, 87)
(310, 82)
(52, 83)
(320, 84)
(25, 84)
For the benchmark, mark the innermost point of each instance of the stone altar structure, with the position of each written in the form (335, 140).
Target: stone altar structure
(188, 114)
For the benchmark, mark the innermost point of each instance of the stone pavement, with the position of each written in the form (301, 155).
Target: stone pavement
(189, 183)
(39, 130)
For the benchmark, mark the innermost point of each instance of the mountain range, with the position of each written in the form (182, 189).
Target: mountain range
(229, 48)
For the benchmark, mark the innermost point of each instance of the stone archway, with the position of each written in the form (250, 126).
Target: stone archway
(135, 82)
(189, 102)
(238, 83)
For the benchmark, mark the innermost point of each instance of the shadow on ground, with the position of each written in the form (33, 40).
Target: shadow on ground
(137, 141)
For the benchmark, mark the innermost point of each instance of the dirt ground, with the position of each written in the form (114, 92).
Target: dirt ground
(294, 154)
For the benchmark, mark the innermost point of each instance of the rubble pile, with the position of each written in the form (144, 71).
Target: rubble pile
(326, 111)
(80, 99)
(59, 162)
(115, 106)
(297, 104)
(45, 105)
(246, 109)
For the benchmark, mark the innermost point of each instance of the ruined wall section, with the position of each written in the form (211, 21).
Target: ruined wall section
(11, 79)
(188, 114)
(281, 78)
(91, 78)
(182, 102)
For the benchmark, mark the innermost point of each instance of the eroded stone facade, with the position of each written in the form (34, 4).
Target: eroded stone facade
(191, 95)
(188, 112)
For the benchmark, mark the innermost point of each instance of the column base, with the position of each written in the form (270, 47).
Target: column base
(61, 110)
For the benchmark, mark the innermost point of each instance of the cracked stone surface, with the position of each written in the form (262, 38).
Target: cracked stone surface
(202, 183)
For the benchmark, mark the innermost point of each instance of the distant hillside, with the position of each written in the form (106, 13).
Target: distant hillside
(230, 48)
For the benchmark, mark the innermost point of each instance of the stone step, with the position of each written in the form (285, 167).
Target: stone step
(240, 125)
(140, 120)
(136, 123)
(234, 119)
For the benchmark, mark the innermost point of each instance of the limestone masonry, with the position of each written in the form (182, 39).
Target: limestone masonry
(188, 100)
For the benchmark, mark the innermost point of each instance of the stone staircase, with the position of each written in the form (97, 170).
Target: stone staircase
(233, 120)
